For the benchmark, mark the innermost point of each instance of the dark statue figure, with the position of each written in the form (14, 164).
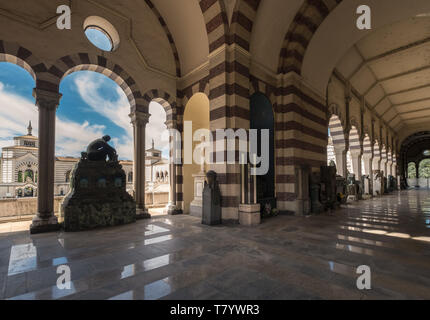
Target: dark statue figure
(328, 179)
(315, 193)
(211, 200)
(99, 149)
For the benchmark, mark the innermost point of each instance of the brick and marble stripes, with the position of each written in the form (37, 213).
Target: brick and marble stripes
(84, 61)
(354, 140)
(220, 31)
(168, 34)
(300, 137)
(337, 132)
(367, 147)
(216, 22)
(305, 24)
(18, 55)
(242, 23)
(164, 99)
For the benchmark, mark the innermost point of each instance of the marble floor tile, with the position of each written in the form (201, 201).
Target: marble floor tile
(286, 257)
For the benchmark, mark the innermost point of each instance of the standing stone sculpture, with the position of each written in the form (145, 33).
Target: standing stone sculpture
(211, 200)
(98, 196)
(378, 183)
(315, 190)
(328, 178)
(352, 188)
(365, 181)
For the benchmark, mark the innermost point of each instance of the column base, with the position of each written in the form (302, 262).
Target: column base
(41, 225)
(249, 214)
(142, 214)
(172, 210)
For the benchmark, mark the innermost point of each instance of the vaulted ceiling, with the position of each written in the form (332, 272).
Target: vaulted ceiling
(391, 68)
(389, 64)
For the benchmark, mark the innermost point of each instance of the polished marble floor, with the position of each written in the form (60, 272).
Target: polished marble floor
(286, 257)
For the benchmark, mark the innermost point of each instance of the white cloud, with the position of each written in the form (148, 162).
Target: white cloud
(16, 111)
(118, 111)
(73, 137)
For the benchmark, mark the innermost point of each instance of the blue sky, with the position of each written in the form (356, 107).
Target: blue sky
(99, 39)
(92, 105)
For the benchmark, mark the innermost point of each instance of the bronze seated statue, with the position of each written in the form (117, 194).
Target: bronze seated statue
(99, 149)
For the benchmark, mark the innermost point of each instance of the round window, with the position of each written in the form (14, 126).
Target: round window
(99, 38)
(101, 33)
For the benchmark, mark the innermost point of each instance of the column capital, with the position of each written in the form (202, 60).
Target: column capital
(47, 99)
(139, 118)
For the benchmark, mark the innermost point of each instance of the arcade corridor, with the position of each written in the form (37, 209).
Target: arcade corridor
(286, 257)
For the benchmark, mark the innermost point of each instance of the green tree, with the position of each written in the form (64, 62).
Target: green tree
(424, 168)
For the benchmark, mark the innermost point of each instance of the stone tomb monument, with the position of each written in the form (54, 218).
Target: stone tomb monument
(98, 196)
(211, 200)
(328, 178)
(377, 183)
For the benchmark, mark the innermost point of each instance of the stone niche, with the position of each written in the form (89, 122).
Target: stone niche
(97, 197)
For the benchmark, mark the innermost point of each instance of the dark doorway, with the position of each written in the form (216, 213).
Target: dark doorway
(261, 117)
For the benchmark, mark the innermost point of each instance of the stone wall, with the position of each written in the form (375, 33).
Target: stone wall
(154, 199)
(422, 182)
(22, 209)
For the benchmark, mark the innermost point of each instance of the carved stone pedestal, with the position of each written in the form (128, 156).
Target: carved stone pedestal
(98, 197)
(249, 214)
(196, 206)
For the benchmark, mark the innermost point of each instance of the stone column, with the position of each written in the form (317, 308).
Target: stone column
(389, 168)
(47, 103)
(341, 162)
(417, 170)
(356, 164)
(171, 207)
(368, 168)
(139, 121)
(383, 166)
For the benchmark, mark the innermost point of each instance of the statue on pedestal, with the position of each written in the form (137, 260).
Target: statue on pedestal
(211, 200)
(365, 182)
(98, 196)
